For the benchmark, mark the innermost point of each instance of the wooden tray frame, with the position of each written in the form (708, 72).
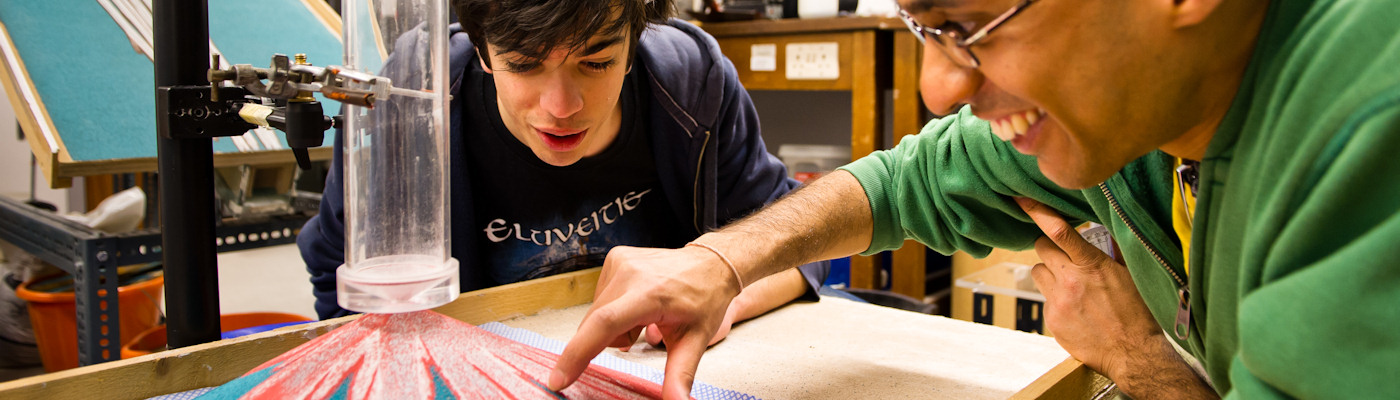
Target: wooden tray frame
(212, 364)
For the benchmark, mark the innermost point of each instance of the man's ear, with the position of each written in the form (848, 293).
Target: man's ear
(482, 59)
(1192, 12)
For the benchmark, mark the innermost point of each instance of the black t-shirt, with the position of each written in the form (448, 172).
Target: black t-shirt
(534, 219)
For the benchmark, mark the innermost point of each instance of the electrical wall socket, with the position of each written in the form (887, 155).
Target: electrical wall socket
(813, 61)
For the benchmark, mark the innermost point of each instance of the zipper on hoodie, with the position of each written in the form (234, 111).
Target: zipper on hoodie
(1182, 327)
(695, 197)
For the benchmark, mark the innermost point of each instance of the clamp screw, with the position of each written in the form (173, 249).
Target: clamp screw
(215, 76)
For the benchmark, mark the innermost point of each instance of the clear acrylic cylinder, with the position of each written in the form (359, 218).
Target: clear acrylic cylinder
(396, 160)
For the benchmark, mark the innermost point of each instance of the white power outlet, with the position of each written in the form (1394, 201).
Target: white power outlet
(813, 61)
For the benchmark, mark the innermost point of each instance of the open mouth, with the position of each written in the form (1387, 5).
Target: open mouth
(1020, 128)
(561, 141)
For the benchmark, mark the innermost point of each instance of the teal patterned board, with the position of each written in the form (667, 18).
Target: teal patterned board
(100, 93)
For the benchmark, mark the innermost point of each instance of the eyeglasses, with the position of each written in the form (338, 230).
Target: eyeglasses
(954, 40)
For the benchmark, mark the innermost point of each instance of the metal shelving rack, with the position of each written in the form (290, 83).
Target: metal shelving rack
(92, 257)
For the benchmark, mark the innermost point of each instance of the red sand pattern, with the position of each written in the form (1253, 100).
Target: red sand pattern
(392, 356)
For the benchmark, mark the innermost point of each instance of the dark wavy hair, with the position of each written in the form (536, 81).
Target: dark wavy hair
(534, 28)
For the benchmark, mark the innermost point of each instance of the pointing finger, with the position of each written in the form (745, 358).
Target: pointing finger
(1049, 252)
(682, 360)
(1044, 279)
(602, 327)
(1080, 251)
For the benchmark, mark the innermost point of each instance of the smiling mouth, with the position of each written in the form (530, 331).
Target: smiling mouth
(1020, 128)
(1011, 126)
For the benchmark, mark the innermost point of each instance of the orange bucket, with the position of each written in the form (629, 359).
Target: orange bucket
(54, 318)
(153, 340)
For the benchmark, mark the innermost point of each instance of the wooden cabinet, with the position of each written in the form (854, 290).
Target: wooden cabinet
(873, 55)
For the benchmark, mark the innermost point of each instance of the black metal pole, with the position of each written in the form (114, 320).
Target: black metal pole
(186, 168)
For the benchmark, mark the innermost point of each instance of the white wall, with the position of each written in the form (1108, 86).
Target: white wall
(14, 163)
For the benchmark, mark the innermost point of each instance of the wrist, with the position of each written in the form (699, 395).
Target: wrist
(736, 277)
(1154, 369)
(739, 307)
(1132, 354)
(755, 257)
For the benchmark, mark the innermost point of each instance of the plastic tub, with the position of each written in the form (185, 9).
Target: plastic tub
(807, 161)
(233, 325)
(54, 317)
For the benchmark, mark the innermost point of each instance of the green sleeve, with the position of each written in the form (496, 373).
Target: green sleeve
(951, 187)
(1324, 320)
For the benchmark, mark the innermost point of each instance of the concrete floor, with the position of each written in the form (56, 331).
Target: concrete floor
(270, 279)
(267, 279)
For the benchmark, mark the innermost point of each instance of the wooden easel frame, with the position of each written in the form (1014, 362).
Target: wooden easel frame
(46, 142)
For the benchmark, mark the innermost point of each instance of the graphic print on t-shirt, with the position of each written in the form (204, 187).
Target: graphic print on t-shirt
(499, 230)
(573, 243)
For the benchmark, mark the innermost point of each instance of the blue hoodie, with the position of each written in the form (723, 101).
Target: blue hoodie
(712, 163)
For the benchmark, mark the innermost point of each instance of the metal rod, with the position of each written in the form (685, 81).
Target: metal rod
(186, 168)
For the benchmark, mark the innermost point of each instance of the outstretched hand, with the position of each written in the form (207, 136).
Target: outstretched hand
(684, 293)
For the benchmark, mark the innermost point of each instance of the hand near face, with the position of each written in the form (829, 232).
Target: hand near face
(1091, 303)
(684, 293)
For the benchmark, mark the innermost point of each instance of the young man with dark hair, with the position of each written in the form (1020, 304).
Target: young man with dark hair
(578, 126)
(1241, 153)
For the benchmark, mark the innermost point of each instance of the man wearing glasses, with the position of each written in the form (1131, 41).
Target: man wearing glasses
(1240, 152)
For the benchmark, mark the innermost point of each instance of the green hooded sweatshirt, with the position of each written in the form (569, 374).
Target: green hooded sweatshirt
(1294, 288)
